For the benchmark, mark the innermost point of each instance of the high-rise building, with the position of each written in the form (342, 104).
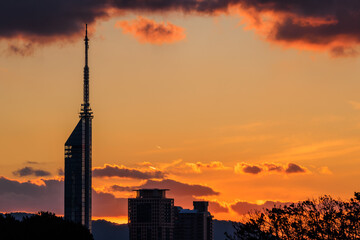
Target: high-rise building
(196, 224)
(151, 215)
(78, 160)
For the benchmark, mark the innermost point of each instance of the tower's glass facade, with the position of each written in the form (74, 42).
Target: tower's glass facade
(78, 174)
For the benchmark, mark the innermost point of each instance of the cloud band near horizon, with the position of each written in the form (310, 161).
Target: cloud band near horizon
(30, 197)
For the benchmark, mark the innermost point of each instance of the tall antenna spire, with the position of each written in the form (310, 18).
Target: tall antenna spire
(86, 69)
(78, 160)
(86, 111)
(86, 45)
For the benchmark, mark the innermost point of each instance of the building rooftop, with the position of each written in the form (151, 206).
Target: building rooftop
(188, 211)
(151, 193)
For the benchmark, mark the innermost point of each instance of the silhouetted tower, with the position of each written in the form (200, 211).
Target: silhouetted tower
(78, 160)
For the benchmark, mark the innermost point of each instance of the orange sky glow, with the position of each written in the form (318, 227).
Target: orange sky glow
(227, 107)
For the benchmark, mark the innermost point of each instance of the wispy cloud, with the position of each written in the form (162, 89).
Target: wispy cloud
(242, 139)
(32, 162)
(325, 171)
(243, 127)
(29, 171)
(317, 150)
(355, 104)
(180, 167)
(20, 48)
(161, 150)
(199, 166)
(149, 31)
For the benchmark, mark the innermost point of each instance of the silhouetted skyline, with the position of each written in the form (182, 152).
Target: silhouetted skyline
(153, 216)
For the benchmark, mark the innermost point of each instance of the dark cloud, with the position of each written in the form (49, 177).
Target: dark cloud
(269, 168)
(332, 24)
(341, 51)
(273, 167)
(215, 207)
(61, 172)
(180, 189)
(247, 168)
(29, 171)
(189, 6)
(176, 188)
(29, 197)
(117, 188)
(42, 20)
(293, 168)
(329, 19)
(321, 24)
(184, 194)
(243, 208)
(106, 204)
(252, 169)
(124, 172)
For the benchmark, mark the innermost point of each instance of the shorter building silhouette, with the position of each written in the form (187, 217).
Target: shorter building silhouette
(152, 216)
(193, 224)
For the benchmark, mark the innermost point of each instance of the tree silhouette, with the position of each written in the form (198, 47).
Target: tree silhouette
(41, 226)
(322, 218)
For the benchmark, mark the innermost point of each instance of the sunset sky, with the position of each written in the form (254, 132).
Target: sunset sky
(241, 103)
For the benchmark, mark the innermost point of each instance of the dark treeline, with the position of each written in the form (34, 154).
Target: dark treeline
(322, 218)
(41, 226)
